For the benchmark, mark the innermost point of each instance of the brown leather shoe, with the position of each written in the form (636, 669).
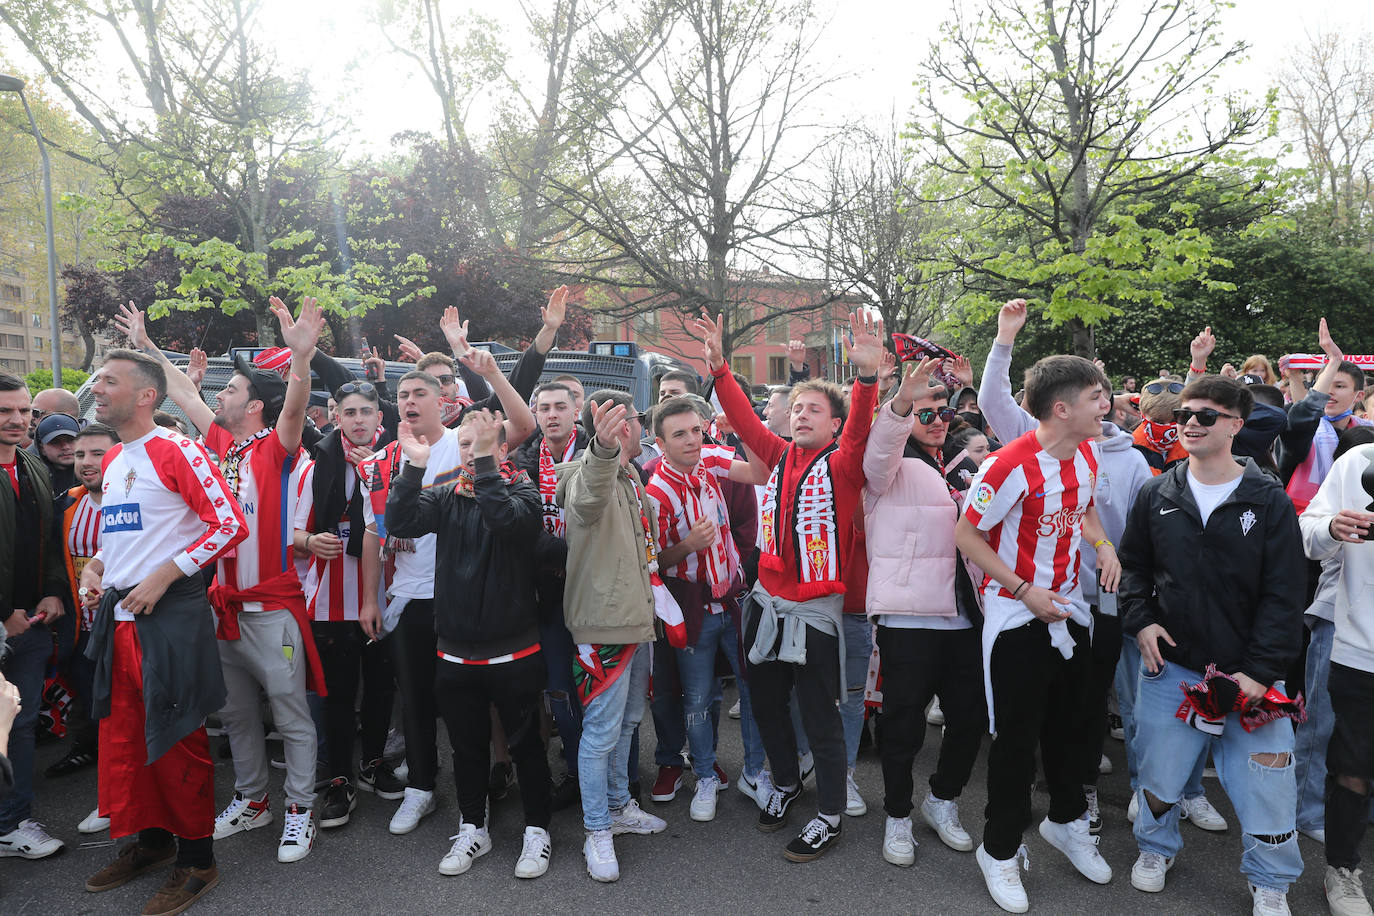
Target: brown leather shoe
(183, 888)
(133, 860)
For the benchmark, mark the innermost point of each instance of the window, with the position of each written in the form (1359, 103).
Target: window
(38, 343)
(39, 320)
(777, 328)
(12, 341)
(10, 316)
(14, 365)
(777, 370)
(38, 364)
(744, 365)
(10, 291)
(645, 323)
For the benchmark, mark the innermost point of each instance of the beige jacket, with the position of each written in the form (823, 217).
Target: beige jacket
(606, 596)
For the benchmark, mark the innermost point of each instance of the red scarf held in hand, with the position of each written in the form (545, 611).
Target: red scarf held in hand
(701, 496)
(554, 522)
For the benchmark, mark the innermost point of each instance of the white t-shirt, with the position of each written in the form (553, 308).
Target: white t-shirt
(1210, 495)
(415, 569)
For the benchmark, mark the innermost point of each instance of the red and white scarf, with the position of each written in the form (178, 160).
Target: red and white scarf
(815, 532)
(666, 607)
(548, 485)
(700, 494)
(1160, 435)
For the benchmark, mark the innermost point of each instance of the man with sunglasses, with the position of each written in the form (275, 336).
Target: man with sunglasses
(48, 401)
(928, 637)
(1213, 575)
(1157, 436)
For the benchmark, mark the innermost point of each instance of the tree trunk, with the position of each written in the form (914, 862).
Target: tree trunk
(1084, 342)
(88, 340)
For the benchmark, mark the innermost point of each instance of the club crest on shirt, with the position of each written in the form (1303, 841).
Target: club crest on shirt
(982, 497)
(1247, 521)
(129, 479)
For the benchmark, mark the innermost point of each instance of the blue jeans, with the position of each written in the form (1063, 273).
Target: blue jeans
(858, 649)
(1127, 678)
(25, 667)
(666, 707)
(1265, 797)
(608, 726)
(1314, 734)
(700, 689)
(560, 693)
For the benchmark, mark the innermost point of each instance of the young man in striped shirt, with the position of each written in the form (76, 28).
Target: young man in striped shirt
(1026, 512)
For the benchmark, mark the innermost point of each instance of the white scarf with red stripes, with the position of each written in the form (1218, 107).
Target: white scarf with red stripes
(548, 485)
(701, 496)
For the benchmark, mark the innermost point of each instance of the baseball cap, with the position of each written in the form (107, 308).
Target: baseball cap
(268, 384)
(55, 425)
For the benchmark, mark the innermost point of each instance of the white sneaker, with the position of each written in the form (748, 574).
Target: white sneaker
(599, 851)
(759, 789)
(899, 846)
(943, 817)
(1003, 879)
(1147, 874)
(93, 823)
(242, 814)
(534, 854)
(297, 835)
(416, 804)
(1080, 846)
(854, 804)
(468, 843)
(1345, 893)
(1270, 901)
(1104, 766)
(634, 819)
(934, 714)
(734, 712)
(1200, 811)
(1133, 809)
(29, 840)
(703, 806)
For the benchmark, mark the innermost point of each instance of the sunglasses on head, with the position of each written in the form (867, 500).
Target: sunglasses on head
(1159, 386)
(927, 415)
(1205, 417)
(357, 388)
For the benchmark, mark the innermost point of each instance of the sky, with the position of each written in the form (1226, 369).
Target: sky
(879, 44)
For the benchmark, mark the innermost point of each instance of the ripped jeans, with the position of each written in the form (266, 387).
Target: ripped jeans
(1265, 797)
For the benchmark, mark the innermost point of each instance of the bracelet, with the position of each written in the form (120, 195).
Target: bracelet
(1202, 371)
(307, 541)
(1098, 545)
(1016, 592)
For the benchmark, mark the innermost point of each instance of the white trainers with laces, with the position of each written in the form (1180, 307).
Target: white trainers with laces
(899, 846)
(1345, 892)
(242, 814)
(759, 789)
(29, 840)
(1200, 811)
(534, 854)
(469, 843)
(1147, 874)
(93, 823)
(1080, 846)
(634, 819)
(1003, 879)
(703, 806)
(599, 851)
(943, 817)
(854, 804)
(297, 835)
(416, 804)
(1270, 901)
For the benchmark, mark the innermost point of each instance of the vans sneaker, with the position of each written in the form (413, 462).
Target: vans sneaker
(814, 841)
(774, 814)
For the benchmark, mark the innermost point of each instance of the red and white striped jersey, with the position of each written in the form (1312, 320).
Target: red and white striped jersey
(1032, 506)
(83, 536)
(673, 521)
(258, 472)
(163, 499)
(333, 588)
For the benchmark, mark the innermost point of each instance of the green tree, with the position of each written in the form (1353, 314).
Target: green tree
(41, 379)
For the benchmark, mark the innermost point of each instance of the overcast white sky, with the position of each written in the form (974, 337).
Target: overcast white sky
(879, 42)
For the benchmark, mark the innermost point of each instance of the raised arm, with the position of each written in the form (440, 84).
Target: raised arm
(183, 392)
(412, 511)
(519, 420)
(589, 489)
(738, 410)
(1199, 350)
(995, 399)
(894, 423)
(300, 335)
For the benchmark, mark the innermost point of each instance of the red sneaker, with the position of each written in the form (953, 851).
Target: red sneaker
(724, 780)
(666, 785)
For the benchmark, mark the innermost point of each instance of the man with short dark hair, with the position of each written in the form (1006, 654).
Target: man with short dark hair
(32, 583)
(54, 438)
(1213, 590)
(1026, 512)
(675, 383)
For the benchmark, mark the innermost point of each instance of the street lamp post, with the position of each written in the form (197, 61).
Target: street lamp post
(15, 84)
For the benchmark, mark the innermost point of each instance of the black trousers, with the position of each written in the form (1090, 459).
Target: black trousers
(818, 689)
(917, 665)
(347, 661)
(466, 694)
(1351, 754)
(1039, 699)
(1106, 652)
(414, 653)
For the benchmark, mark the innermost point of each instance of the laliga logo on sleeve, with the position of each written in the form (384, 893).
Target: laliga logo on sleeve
(982, 497)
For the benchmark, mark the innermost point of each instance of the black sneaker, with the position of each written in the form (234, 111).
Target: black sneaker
(814, 841)
(379, 777)
(78, 758)
(774, 813)
(502, 778)
(339, 802)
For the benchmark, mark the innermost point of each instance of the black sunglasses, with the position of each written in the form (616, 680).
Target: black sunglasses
(926, 415)
(446, 379)
(1205, 417)
(1161, 385)
(357, 388)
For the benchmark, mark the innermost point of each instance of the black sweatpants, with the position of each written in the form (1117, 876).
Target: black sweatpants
(1039, 699)
(1106, 652)
(1350, 753)
(347, 660)
(414, 653)
(466, 694)
(917, 665)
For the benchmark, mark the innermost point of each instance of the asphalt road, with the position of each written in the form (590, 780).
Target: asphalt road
(718, 867)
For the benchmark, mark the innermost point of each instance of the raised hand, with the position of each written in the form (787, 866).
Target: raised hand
(1328, 345)
(887, 369)
(1010, 320)
(131, 322)
(486, 429)
(410, 351)
(374, 367)
(867, 350)
(914, 384)
(303, 332)
(711, 333)
(1229, 371)
(455, 331)
(1202, 347)
(608, 420)
(962, 371)
(197, 367)
(480, 361)
(555, 312)
(796, 354)
(415, 446)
